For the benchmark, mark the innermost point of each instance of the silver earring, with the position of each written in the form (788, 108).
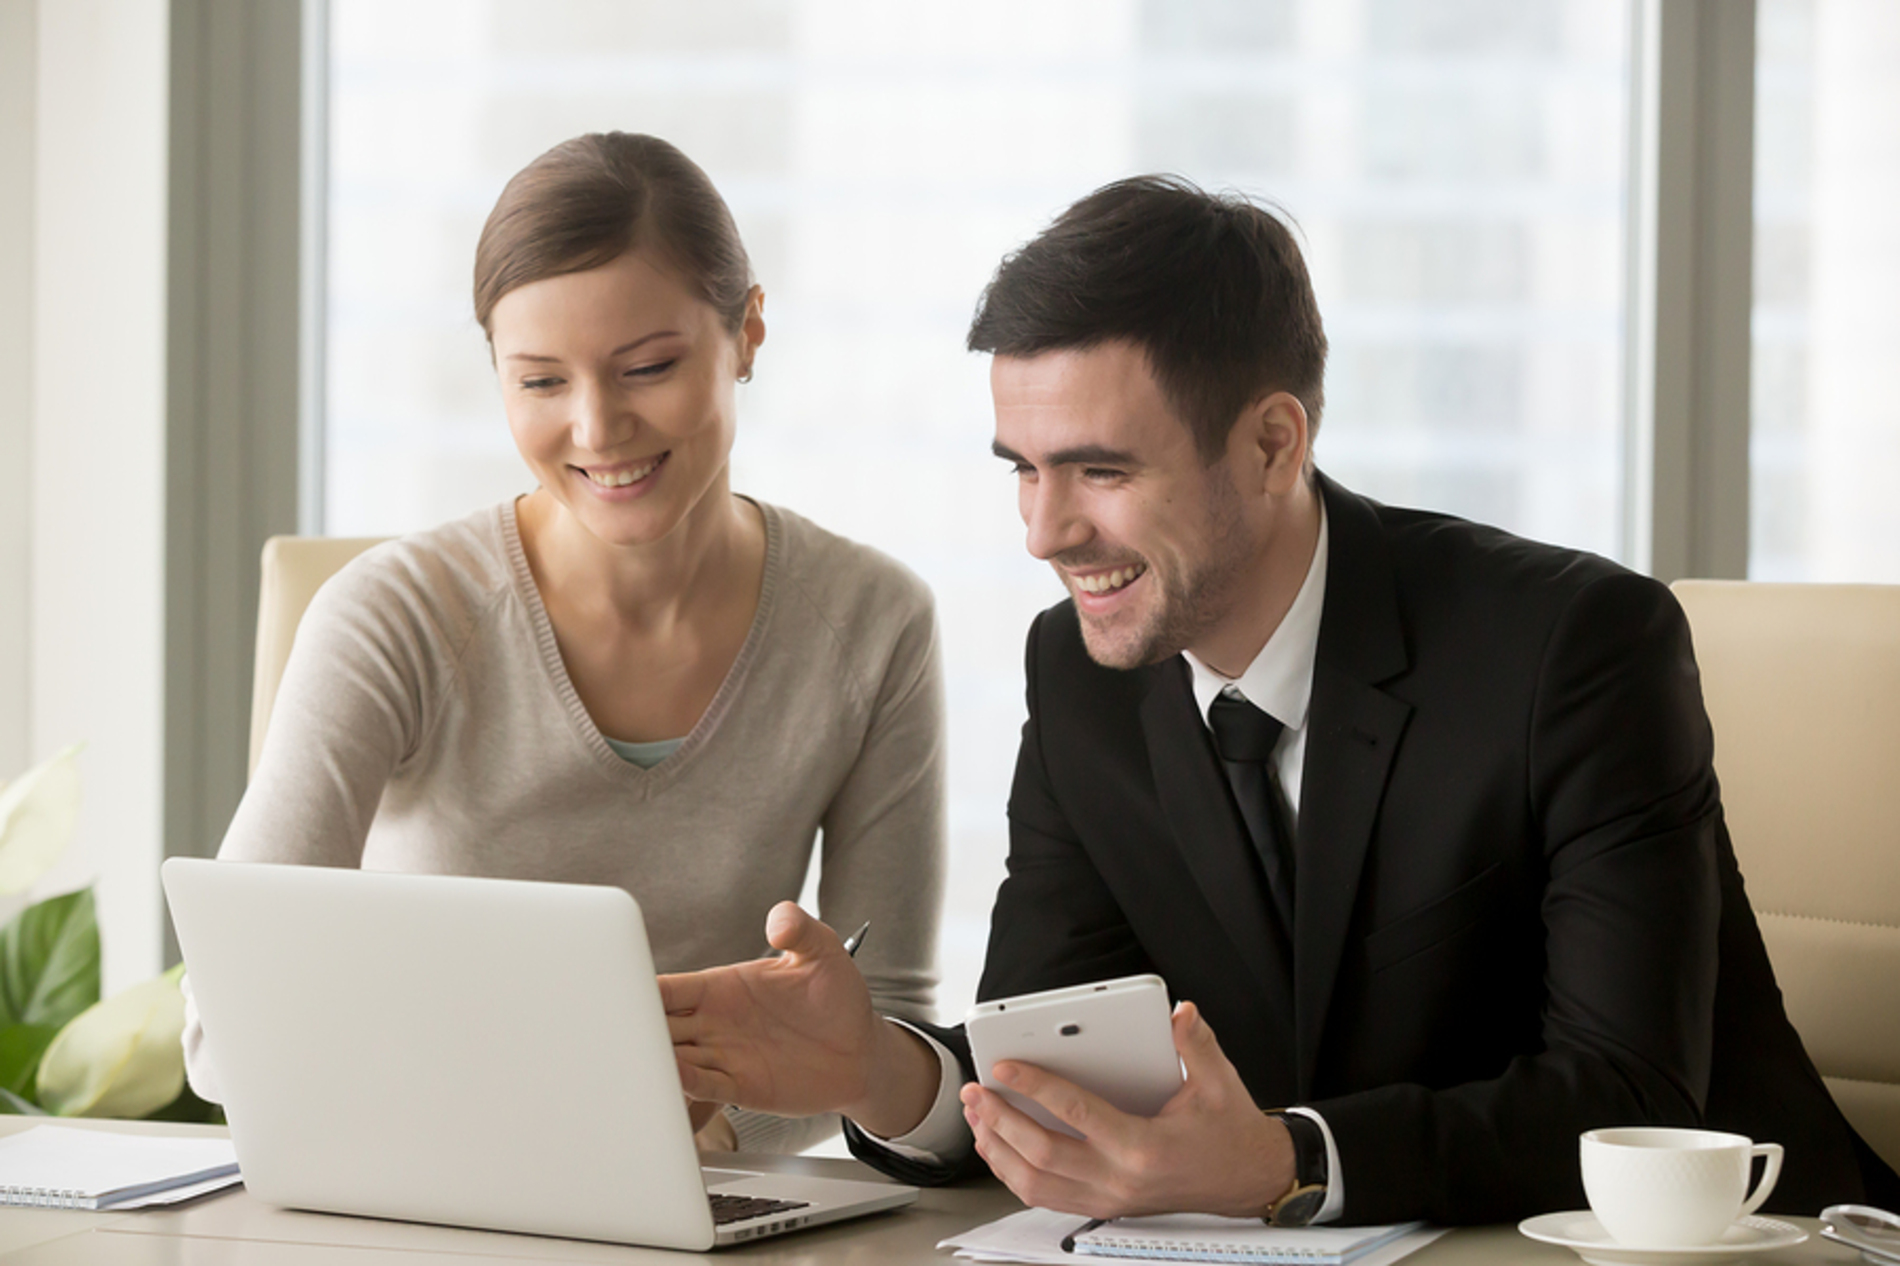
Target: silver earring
(747, 375)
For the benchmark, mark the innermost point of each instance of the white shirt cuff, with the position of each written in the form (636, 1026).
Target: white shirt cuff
(1335, 1181)
(943, 1135)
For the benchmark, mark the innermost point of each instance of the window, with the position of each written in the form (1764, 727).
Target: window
(1457, 171)
(1825, 439)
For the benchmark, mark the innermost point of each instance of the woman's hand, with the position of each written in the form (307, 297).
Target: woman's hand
(797, 1035)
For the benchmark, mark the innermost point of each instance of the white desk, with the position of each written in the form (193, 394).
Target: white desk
(234, 1229)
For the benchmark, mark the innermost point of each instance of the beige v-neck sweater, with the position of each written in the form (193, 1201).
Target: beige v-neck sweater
(426, 723)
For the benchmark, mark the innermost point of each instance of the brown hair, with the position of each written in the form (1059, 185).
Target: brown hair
(1213, 289)
(588, 201)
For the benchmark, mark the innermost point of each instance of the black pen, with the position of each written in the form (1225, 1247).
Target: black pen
(1068, 1241)
(856, 939)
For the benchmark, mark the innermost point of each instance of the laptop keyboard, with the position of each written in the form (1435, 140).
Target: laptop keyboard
(729, 1209)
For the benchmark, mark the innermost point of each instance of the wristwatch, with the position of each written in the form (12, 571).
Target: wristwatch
(1307, 1196)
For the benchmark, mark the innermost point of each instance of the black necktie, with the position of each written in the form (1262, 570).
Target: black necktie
(1244, 736)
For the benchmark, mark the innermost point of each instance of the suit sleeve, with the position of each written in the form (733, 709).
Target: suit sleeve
(1626, 812)
(910, 1169)
(1054, 924)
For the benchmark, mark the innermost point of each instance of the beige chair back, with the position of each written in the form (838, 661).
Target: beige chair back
(1803, 688)
(295, 567)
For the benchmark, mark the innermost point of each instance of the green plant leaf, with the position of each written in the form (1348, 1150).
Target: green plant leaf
(21, 1046)
(38, 811)
(121, 1058)
(49, 961)
(12, 1105)
(189, 1107)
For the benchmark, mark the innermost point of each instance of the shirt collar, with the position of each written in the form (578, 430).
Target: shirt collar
(1279, 681)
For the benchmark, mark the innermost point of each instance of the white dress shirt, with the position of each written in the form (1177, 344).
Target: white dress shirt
(1279, 682)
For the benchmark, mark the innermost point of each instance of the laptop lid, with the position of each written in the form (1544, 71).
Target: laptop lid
(481, 1052)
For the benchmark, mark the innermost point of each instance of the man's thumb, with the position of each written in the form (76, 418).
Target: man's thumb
(790, 930)
(1194, 1040)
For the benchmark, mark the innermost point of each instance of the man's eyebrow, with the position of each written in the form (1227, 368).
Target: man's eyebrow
(622, 350)
(1079, 455)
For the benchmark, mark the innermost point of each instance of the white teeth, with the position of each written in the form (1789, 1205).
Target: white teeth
(1109, 581)
(621, 478)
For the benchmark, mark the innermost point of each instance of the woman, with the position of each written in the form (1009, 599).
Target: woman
(629, 676)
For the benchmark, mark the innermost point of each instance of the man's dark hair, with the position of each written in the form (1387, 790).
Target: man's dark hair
(1212, 288)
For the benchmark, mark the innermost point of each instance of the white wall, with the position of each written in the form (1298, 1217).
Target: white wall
(18, 22)
(97, 467)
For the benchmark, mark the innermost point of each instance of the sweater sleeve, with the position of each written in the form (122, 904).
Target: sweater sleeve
(357, 696)
(883, 833)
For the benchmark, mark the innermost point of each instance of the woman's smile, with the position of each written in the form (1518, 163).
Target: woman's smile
(623, 481)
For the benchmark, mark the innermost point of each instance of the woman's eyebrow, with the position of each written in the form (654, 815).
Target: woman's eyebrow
(622, 350)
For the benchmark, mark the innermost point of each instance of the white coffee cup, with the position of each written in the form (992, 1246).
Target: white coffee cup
(1652, 1187)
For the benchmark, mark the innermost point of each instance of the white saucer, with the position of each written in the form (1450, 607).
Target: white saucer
(1581, 1233)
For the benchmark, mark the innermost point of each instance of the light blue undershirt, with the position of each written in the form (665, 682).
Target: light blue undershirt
(645, 755)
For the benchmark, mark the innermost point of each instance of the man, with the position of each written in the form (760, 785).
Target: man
(1420, 816)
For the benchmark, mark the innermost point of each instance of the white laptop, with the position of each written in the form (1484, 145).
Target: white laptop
(478, 1052)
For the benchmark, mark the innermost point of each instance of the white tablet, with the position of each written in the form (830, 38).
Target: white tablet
(1112, 1038)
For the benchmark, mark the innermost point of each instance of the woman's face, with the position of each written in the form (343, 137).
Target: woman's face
(618, 386)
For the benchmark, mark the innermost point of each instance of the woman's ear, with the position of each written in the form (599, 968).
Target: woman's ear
(751, 331)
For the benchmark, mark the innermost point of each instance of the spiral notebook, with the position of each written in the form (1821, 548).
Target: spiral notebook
(1192, 1237)
(55, 1166)
(1047, 1238)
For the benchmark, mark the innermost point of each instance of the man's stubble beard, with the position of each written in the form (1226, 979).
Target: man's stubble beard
(1191, 604)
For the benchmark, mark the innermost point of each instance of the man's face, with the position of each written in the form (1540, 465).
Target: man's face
(1152, 543)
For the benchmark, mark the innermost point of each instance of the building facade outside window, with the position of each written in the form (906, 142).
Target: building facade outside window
(1825, 435)
(1456, 171)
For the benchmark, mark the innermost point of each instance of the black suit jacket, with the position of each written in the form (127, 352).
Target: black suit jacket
(1518, 915)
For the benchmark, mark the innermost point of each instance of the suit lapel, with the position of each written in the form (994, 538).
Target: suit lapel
(1209, 832)
(1353, 734)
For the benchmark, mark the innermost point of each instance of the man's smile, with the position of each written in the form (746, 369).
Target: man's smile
(1110, 581)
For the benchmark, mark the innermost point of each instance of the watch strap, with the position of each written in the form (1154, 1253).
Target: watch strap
(1309, 1148)
(1306, 1196)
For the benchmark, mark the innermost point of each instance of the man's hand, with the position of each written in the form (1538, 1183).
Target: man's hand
(796, 1034)
(717, 1134)
(1209, 1149)
(712, 1128)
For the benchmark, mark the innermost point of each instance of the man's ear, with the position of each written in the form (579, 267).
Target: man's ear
(1272, 431)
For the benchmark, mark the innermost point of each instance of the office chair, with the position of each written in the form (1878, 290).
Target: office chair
(294, 568)
(1802, 684)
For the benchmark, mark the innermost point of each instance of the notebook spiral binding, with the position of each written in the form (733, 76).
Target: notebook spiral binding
(43, 1198)
(1199, 1251)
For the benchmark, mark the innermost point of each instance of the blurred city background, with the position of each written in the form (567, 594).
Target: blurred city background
(1457, 172)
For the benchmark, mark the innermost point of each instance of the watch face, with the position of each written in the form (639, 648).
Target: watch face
(1299, 1208)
